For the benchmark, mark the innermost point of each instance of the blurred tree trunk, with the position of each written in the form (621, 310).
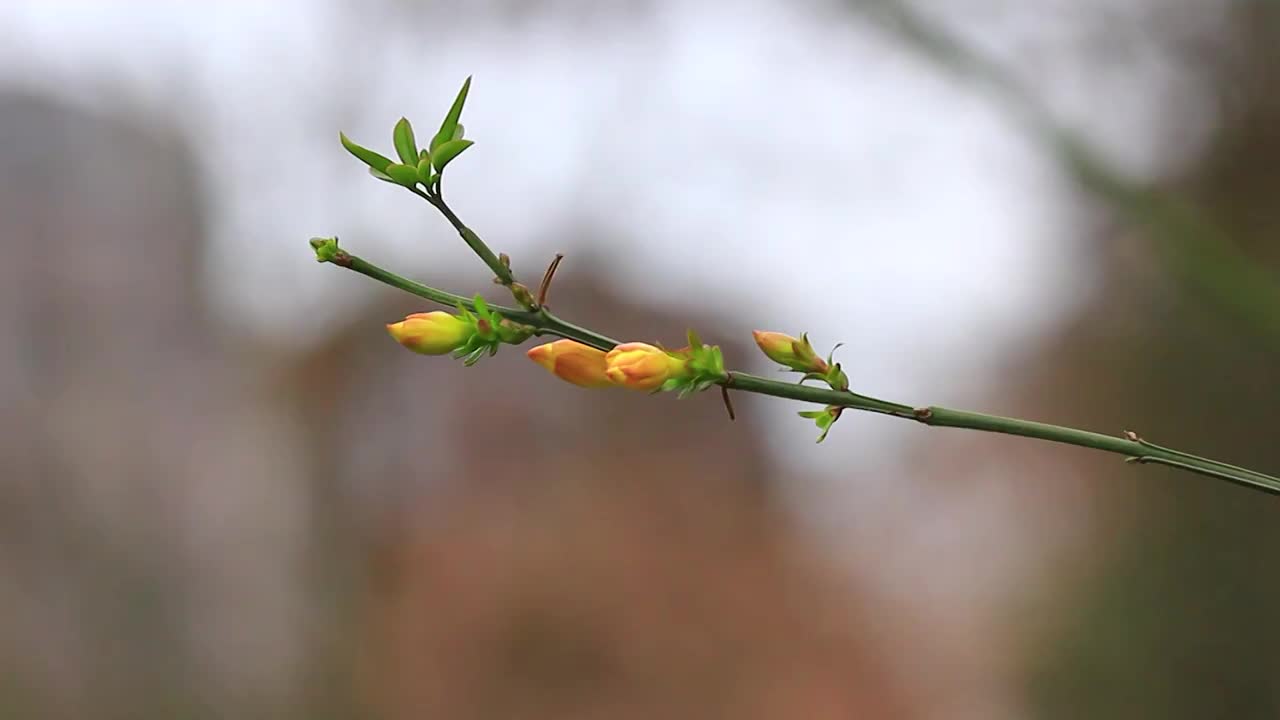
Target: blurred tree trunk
(1179, 621)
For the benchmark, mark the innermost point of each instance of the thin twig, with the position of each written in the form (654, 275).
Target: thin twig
(545, 286)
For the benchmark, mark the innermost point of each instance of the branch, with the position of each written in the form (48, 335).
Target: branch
(1133, 447)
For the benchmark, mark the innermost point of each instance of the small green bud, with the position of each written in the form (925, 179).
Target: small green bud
(523, 296)
(326, 248)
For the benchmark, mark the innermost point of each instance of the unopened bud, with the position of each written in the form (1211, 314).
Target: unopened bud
(641, 366)
(432, 333)
(573, 362)
(795, 353)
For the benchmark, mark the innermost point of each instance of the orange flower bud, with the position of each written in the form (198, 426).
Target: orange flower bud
(432, 333)
(572, 362)
(640, 366)
(795, 353)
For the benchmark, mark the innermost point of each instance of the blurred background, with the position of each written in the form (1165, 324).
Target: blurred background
(225, 492)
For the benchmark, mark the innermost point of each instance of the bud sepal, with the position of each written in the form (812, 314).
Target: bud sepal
(824, 418)
(491, 330)
(706, 367)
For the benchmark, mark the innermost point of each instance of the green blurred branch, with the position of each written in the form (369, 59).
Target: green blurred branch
(1193, 247)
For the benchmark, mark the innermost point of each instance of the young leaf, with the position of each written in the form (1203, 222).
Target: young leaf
(406, 148)
(424, 169)
(441, 156)
(365, 155)
(403, 174)
(450, 124)
(457, 132)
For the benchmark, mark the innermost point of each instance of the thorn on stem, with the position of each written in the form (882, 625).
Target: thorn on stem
(545, 286)
(728, 404)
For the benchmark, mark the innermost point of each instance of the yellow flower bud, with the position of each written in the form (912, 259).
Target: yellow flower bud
(795, 353)
(432, 333)
(640, 366)
(572, 362)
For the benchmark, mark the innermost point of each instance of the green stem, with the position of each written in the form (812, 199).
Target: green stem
(472, 240)
(1134, 448)
(1137, 449)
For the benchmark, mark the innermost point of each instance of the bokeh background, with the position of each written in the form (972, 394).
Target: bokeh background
(224, 492)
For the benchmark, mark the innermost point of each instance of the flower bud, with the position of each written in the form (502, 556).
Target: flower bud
(640, 366)
(572, 362)
(795, 353)
(432, 333)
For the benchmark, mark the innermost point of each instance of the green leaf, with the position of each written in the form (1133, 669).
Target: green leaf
(442, 155)
(403, 174)
(450, 124)
(365, 155)
(457, 132)
(424, 169)
(482, 307)
(406, 148)
(695, 342)
(380, 175)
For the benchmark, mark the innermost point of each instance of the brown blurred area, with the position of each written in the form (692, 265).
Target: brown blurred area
(538, 550)
(192, 527)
